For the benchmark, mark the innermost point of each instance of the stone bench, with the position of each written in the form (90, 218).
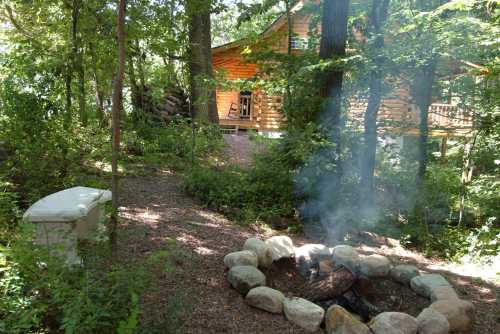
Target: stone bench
(62, 218)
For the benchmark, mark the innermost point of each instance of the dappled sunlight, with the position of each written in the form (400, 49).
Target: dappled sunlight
(488, 272)
(204, 251)
(106, 167)
(139, 215)
(212, 216)
(195, 244)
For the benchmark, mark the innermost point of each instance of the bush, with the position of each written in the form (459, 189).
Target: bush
(174, 142)
(263, 192)
(39, 293)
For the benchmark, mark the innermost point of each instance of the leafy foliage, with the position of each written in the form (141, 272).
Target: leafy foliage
(41, 292)
(262, 193)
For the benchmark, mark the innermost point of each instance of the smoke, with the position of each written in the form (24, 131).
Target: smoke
(334, 212)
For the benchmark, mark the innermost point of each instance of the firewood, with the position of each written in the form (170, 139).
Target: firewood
(330, 285)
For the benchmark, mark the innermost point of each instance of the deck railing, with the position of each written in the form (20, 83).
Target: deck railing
(449, 116)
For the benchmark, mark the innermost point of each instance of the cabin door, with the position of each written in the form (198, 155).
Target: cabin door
(245, 104)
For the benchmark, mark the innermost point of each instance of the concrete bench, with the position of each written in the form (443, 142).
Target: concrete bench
(64, 217)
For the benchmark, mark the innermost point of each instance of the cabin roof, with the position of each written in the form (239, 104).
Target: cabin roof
(273, 27)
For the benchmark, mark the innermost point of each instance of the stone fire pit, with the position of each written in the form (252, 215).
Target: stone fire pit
(446, 311)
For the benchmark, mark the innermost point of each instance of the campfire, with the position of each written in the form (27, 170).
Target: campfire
(331, 284)
(337, 289)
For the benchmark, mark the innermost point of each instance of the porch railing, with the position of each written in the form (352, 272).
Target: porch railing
(449, 116)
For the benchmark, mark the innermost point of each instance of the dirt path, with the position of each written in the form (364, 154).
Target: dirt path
(191, 294)
(157, 213)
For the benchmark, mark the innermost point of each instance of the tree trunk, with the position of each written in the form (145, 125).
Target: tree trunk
(78, 60)
(422, 92)
(68, 117)
(289, 26)
(116, 109)
(288, 90)
(200, 61)
(377, 19)
(332, 45)
(99, 94)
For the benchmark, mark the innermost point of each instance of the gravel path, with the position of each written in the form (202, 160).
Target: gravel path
(192, 295)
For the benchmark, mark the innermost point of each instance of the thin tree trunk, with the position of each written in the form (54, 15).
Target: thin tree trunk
(117, 107)
(377, 19)
(200, 61)
(466, 177)
(333, 44)
(68, 117)
(422, 92)
(136, 95)
(99, 95)
(78, 60)
(288, 96)
(289, 26)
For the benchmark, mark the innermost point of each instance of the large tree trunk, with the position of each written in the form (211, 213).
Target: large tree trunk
(332, 45)
(200, 61)
(116, 109)
(377, 20)
(422, 92)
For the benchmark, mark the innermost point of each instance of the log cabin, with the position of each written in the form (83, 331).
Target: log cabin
(260, 111)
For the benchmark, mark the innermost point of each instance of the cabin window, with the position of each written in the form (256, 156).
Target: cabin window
(245, 104)
(299, 43)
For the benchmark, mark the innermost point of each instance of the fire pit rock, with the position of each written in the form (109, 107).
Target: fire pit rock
(394, 323)
(340, 321)
(430, 321)
(446, 313)
(404, 273)
(346, 255)
(303, 313)
(308, 255)
(241, 258)
(281, 247)
(425, 284)
(266, 299)
(459, 313)
(263, 251)
(244, 278)
(443, 292)
(374, 266)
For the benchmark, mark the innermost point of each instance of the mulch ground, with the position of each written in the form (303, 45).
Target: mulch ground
(190, 294)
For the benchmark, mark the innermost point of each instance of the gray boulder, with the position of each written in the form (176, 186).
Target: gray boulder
(404, 273)
(393, 323)
(339, 321)
(281, 247)
(244, 278)
(374, 266)
(345, 255)
(430, 321)
(266, 299)
(425, 284)
(262, 250)
(459, 313)
(303, 313)
(241, 258)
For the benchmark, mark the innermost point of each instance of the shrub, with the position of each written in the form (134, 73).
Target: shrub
(174, 142)
(39, 293)
(262, 192)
